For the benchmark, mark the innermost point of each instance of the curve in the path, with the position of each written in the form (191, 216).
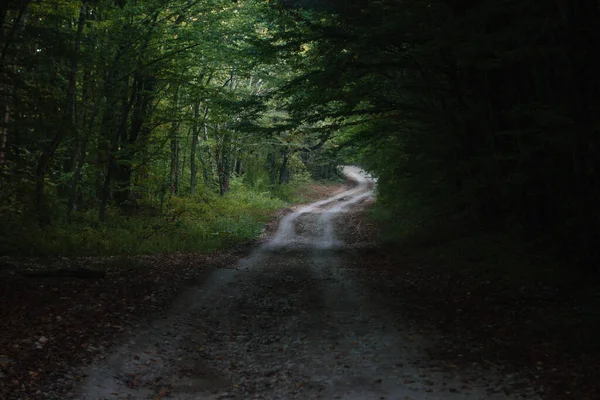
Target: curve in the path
(286, 234)
(291, 321)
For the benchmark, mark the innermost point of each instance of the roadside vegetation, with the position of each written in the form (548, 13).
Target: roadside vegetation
(141, 127)
(200, 223)
(204, 222)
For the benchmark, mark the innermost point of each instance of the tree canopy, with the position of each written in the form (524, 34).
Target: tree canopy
(475, 111)
(480, 110)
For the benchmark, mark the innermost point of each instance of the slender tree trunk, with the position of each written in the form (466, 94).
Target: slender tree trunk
(74, 184)
(195, 134)
(40, 173)
(111, 172)
(4, 137)
(208, 169)
(284, 173)
(121, 153)
(222, 158)
(272, 167)
(174, 141)
(105, 194)
(174, 175)
(70, 109)
(103, 155)
(114, 172)
(108, 144)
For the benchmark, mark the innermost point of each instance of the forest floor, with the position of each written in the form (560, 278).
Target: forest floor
(314, 309)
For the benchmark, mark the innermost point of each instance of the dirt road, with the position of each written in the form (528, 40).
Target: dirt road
(291, 321)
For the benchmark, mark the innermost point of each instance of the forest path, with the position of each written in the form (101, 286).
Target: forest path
(290, 321)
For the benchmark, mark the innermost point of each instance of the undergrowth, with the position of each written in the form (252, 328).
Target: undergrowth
(203, 222)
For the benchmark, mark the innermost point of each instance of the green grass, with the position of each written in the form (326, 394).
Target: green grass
(200, 223)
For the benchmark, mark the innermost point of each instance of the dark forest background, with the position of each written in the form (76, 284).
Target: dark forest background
(124, 117)
(472, 114)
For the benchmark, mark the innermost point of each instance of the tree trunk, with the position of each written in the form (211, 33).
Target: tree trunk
(70, 108)
(284, 173)
(108, 142)
(222, 158)
(4, 137)
(121, 154)
(80, 160)
(112, 166)
(208, 169)
(174, 175)
(195, 134)
(40, 173)
(272, 167)
(80, 163)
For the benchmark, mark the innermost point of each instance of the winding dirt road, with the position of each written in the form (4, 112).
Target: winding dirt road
(291, 321)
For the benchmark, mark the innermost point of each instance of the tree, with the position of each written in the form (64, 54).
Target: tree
(111, 106)
(480, 109)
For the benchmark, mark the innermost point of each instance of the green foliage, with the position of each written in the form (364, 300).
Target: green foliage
(479, 112)
(108, 108)
(485, 112)
(202, 222)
